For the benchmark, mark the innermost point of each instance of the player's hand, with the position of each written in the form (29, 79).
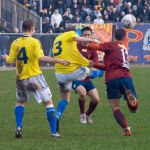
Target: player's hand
(4, 57)
(96, 41)
(91, 63)
(64, 62)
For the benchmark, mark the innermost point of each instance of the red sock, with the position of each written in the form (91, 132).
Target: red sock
(81, 105)
(91, 108)
(120, 118)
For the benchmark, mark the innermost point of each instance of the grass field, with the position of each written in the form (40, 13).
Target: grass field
(104, 134)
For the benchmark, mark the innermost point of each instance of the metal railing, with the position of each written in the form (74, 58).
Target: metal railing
(14, 14)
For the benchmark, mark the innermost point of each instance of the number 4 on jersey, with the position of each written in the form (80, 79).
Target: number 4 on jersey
(22, 55)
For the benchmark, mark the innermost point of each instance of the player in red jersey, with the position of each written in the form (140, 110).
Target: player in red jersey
(86, 87)
(118, 77)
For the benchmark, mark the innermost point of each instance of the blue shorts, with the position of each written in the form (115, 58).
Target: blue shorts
(117, 87)
(88, 85)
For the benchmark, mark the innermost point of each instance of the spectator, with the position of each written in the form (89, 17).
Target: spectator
(77, 19)
(134, 10)
(46, 24)
(69, 13)
(88, 20)
(56, 18)
(99, 20)
(88, 10)
(68, 3)
(15, 30)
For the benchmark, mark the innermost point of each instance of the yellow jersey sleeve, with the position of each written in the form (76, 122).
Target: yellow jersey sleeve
(12, 54)
(38, 51)
(71, 35)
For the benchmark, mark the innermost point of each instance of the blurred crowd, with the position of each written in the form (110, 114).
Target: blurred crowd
(56, 13)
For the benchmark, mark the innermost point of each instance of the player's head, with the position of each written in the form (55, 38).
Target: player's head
(28, 26)
(120, 34)
(70, 27)
(86, 32)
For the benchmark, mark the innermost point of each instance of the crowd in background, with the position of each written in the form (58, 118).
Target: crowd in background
(56, 13)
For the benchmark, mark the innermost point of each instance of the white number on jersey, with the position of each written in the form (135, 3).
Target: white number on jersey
(124, 53)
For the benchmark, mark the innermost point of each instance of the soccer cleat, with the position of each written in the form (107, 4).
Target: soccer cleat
(83, 118)
(56, 135)
(18, 133)
(131, 99)
(89, 119)
(127, 132)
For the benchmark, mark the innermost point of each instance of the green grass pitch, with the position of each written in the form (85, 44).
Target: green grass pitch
(104, 134)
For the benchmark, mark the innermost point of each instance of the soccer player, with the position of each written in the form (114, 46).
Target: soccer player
(27, 52)
(118, 77)
(86, 87)
(65, 47)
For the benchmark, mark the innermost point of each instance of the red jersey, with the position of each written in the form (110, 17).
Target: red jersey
(115, 60)
(88, 53)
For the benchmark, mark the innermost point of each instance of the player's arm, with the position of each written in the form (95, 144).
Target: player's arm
(95, 61)
(73, 36)
(12, 55)
(49, 59)
(97, 65)
(85, 39)
(38, 52)
(106, 46)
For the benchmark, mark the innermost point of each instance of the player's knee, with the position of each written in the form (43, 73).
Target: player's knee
(64, 90)
(114, 108)
(96, 100)
(48, 103)
(133, 108)
(82, 95)
(21, 103)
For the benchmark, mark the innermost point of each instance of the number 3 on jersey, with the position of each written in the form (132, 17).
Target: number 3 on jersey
(22, 55)
(58, 47)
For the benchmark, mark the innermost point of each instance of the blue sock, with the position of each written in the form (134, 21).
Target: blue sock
(61, 107)
(19, 111)
(51, 117)
(100, 73)
(96, 73)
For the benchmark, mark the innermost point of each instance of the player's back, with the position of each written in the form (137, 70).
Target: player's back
(27, 50)
(116, 60)
(66, 48)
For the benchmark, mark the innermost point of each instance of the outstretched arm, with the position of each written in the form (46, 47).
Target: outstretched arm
(85, 39)
(97, 65)
(54, 60)
(94, 46)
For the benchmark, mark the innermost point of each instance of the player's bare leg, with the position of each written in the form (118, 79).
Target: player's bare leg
(132, 102)
(93, 104)
(119, 116)
(82, 100)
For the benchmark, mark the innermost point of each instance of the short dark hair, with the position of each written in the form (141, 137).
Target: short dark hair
(120, 34)
(86, 29)
(70, 27)
(27, 25)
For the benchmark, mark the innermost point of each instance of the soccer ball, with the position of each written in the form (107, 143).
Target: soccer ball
(128, 21)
